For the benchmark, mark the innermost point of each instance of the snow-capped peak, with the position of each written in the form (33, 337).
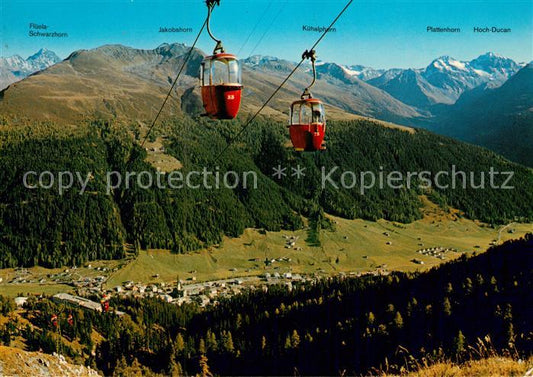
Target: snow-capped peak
(358, 71)
(349, 71)
(15, 68)
(43, 58)
(448, 63)
(492, 55)
(495, 64)
(260, 59)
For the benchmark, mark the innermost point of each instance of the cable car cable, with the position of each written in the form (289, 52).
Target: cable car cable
(175, 81)
(268, 29)
(255, 27)
(284, 81)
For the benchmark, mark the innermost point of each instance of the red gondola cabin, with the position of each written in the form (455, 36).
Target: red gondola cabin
(307, 125)
(220, 76)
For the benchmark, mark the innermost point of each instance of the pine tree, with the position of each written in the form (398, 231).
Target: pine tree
(211, 341)
(398, 320)
(509, 333)
(287, 342)
(263, 343)
(175, 369)
(227, 342)
(204, 367)
(494, 284)
(447, 307)
(201, 346)
(179, 344)
(238, 321)
(509, 328)
(449, 288)
(295, 339)
(134, 370)
(121, 367)
(459, 345)
(468, 286)
(371, 319)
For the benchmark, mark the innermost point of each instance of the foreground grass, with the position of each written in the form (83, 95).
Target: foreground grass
(16, 362)
(494, 366)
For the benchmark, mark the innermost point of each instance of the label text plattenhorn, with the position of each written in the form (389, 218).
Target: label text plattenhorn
(434, 29)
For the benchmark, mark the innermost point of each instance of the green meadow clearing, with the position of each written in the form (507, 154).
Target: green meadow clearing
(14, 290)
(354, 246)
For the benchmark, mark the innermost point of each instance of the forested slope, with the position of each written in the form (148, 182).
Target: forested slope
(39, 226)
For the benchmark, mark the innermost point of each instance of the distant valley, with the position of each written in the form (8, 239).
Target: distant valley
(499, 118)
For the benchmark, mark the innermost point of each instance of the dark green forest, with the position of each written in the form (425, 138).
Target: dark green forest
(41, 227)
(330, 327)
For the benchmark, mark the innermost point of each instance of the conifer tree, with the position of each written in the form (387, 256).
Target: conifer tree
(204, 367)
(398, 320)
(459, 345)
(295, 339)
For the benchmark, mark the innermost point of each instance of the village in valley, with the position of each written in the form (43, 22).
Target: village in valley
(281, 258)
(91, 282)
(176, 292)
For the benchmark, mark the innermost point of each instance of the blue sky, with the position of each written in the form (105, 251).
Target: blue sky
(381, 34)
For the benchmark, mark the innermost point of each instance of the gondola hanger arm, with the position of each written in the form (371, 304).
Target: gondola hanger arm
(219, 48)
(311, 55)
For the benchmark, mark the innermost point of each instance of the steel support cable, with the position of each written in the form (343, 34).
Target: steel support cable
(255, 27)
(267, 29)
(284, 81)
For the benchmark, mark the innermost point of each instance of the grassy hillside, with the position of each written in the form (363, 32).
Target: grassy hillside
(353, 246)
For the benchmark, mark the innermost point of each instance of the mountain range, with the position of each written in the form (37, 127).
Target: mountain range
(128, 84)
(123, 83)
(16, 68)
(445, 79)
(499, 118)
(442, 81)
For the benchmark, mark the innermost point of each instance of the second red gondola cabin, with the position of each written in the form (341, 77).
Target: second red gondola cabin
(307, 125)
(220, 77)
